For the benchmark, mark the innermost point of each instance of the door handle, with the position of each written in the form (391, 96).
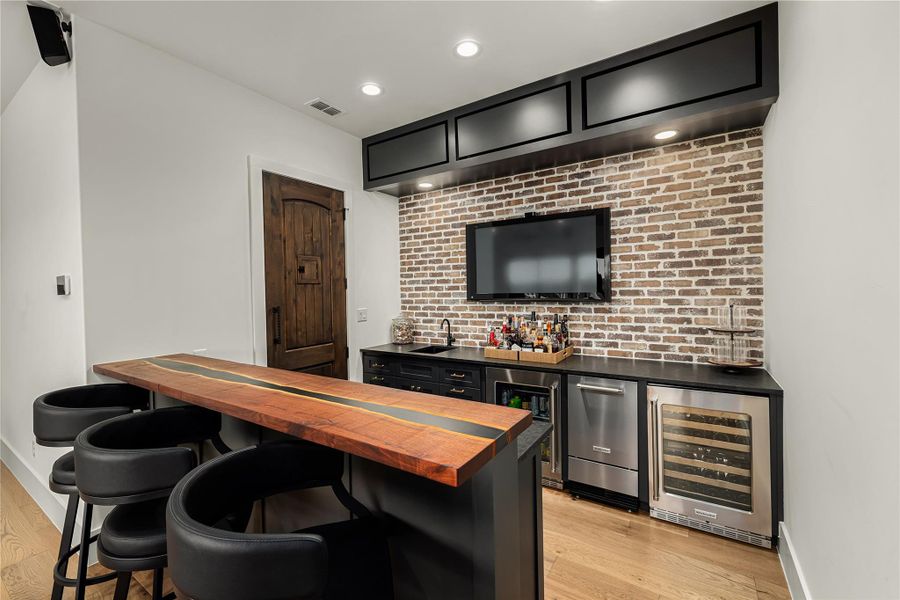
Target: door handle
(276, 318)
(602, 389)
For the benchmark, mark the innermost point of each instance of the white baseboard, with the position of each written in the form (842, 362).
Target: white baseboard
(791, 566)
(52, 505)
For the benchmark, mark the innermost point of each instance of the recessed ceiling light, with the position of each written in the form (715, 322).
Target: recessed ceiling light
(371, 89)
(666, 134)
(467, 48)
(426, 185)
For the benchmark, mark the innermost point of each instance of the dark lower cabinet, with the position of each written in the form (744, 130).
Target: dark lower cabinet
(428, 377)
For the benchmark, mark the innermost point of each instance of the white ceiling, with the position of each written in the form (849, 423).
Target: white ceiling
(295, 51)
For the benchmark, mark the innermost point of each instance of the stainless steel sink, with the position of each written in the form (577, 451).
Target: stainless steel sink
(431, 350)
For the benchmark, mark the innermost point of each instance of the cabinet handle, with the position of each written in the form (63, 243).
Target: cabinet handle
(376, 365)
(377, 379)
(457, 391)
(458, 375)
(602, 389)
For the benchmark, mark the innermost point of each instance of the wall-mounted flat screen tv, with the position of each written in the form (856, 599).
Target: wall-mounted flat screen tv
(562, 256)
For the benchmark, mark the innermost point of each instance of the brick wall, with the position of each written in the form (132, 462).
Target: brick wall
(687, 237)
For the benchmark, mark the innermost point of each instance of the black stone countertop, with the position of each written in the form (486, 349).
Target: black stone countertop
(702, 376)
(531, 437)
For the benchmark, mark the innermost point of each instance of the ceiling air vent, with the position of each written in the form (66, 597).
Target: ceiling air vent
(319, 104)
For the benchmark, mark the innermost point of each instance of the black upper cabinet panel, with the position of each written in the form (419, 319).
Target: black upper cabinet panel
(418, 149)
(718, 78)
(529, 118)
(723, 64)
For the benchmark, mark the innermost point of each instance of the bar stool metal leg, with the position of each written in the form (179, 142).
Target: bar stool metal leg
(85, 551)
(122, 585)
(157, 584)
(65, 542)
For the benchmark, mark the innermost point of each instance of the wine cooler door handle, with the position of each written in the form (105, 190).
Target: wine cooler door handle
(602, 389)
(555, 435)
(654, 450)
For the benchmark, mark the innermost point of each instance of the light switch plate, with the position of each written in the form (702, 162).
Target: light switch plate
(362, 315)
(63, 285)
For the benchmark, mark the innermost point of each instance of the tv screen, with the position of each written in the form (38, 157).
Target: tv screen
(562, 256)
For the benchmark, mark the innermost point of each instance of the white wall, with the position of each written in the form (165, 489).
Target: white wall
(164, 184)
(831, 223)
(42, 346)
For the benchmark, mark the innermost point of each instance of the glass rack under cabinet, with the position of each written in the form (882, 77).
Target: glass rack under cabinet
(707, 455)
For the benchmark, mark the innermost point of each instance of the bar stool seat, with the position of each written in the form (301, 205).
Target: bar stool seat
(134, 531)
(62, 474)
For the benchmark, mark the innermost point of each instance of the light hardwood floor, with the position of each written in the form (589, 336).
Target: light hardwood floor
(591, 552)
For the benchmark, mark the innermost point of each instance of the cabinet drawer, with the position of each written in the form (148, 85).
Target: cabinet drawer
(415, 370)
(458, 391)
(607, 477)
(414, 385)
(377, 364)
(464, 376)
(376, 379)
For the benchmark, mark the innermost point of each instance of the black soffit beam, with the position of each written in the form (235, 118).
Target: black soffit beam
(718, 78)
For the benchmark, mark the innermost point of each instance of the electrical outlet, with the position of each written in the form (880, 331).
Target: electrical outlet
(362, 315)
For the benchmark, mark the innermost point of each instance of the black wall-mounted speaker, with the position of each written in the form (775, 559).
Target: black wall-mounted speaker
(49, 32)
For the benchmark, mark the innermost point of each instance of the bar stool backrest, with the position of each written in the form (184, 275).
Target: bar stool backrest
(138, 457)
(210, 556)
(59, 416)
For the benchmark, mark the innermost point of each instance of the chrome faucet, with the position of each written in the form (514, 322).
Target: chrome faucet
(450, 338)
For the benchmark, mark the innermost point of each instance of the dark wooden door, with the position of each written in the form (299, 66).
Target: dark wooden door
(305, 282)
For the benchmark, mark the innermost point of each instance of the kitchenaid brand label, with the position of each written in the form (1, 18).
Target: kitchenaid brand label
(704, 513)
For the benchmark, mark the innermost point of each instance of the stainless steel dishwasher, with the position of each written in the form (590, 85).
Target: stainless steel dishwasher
(603, 436)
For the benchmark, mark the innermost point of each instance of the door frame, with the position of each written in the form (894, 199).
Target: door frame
(256, 165)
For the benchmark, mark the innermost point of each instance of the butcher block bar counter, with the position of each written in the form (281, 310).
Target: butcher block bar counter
(442, 439)
(462, 499)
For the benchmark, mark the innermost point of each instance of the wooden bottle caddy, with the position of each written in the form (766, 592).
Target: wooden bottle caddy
(547, 358)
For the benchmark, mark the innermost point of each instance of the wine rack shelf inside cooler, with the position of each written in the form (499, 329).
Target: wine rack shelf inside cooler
(707, 455)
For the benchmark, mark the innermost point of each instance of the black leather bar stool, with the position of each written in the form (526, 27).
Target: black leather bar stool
(132, 462)
(59, 417)
(211, 558)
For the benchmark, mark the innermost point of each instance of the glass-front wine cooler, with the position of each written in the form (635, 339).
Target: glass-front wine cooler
(709, 462)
